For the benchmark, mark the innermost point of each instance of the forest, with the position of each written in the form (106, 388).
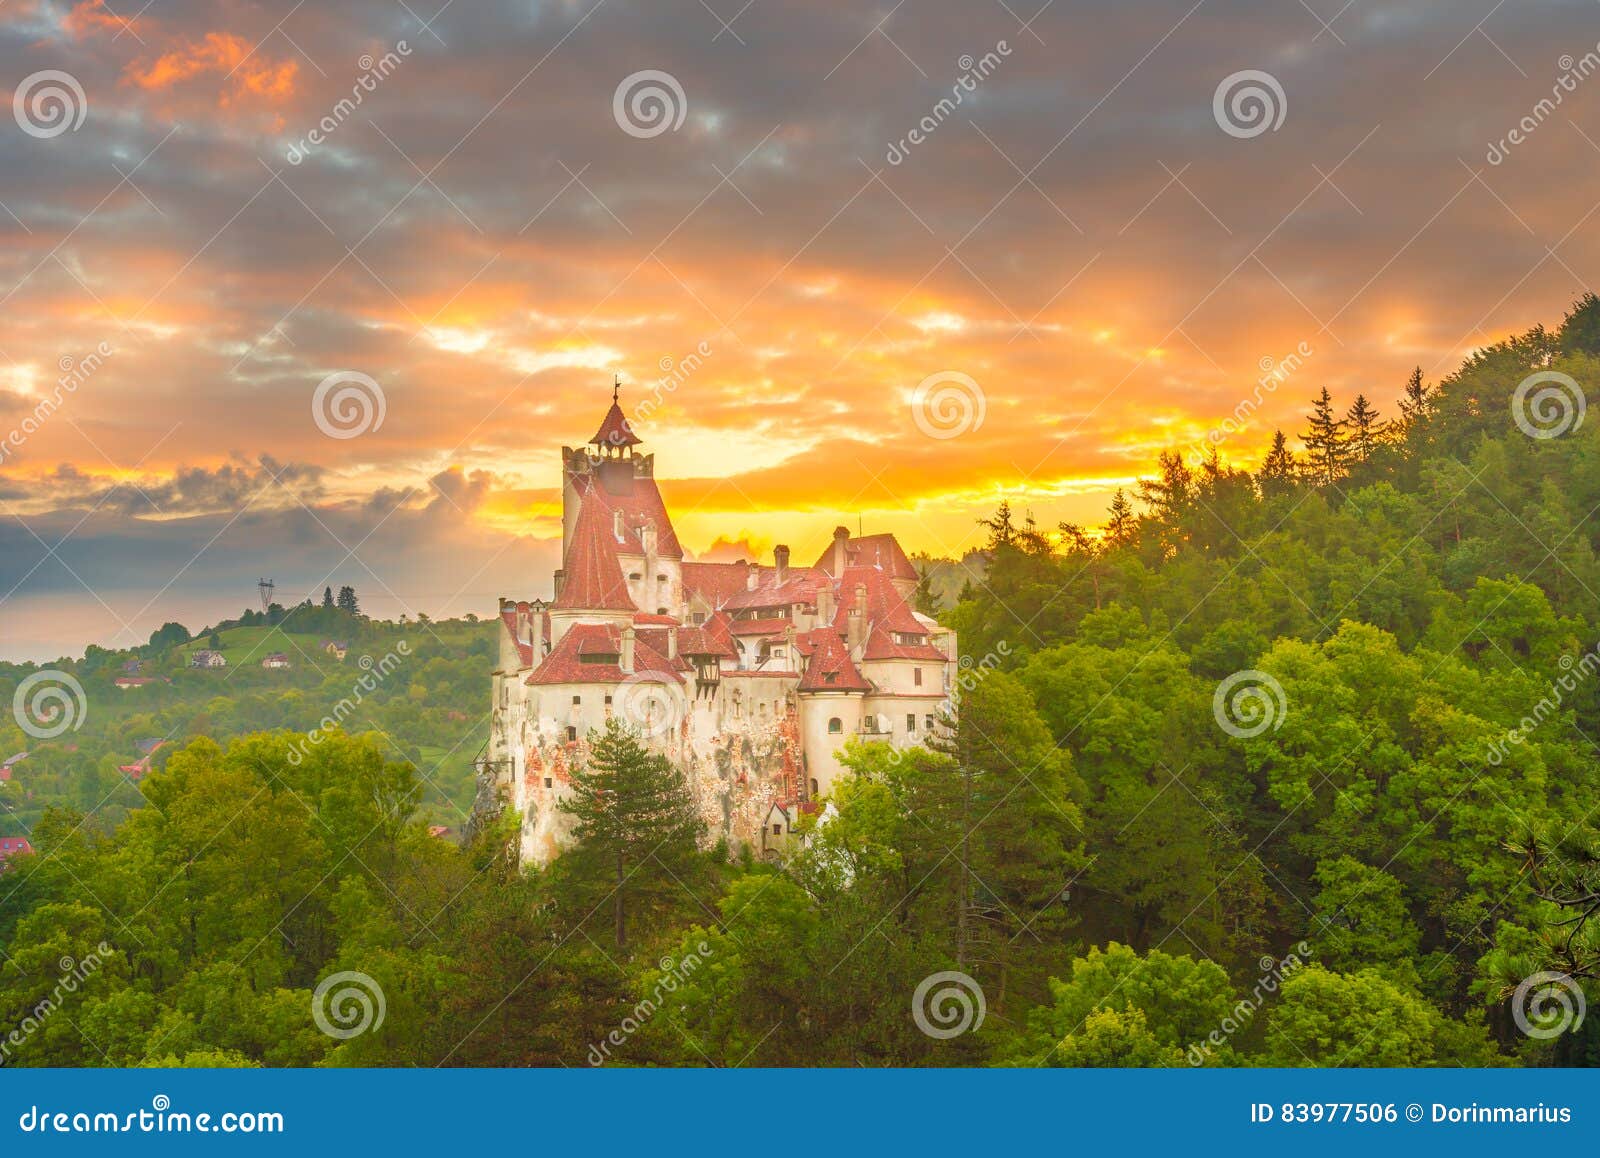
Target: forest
(1286, 767)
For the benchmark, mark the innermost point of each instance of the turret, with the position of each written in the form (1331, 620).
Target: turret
(510, 658)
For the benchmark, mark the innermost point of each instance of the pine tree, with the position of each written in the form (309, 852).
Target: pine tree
(1417, 404)
(925, 599)
(1277, 473)
(1002, 531)
(636, 829)
(1366, 429)
(1123, 526)
(348, 601)
(1324, 442)
(327, 597)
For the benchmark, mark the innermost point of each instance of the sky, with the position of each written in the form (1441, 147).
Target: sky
(317, 292)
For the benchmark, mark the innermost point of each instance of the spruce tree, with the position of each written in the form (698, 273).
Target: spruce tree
(1417, 403)
(1366, 429)
(636, 829)
(925, 599)
(1277, 472)
(327, 597)
(1324, 442)
(1123, 526)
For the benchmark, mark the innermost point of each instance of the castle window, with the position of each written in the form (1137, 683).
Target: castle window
(911, 723)
(576, 701)
(927, 722)
(916, 676)
(814, 786)
(608, 701)
(548, 783)
(661, 578)
(830, 677)
(835, 726)
(572, 734)
(777, 830)
(635, 576)
(662, 611)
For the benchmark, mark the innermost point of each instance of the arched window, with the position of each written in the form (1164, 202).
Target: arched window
(835, 726)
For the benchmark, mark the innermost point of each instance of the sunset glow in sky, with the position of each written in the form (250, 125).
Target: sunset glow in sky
(477, 231)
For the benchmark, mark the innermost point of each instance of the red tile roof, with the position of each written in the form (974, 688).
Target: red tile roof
(799, 586)
(615, 429)
(594, 579)
(641, 504)
(599, 641)
(716, 583)
(830, 669)
(14, 846)
(713, 638)
(759, 626)
(882, 552)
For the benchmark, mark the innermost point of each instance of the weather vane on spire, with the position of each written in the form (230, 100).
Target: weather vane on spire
(616, 387)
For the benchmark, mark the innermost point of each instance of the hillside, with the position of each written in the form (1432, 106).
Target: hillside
(1284, 768)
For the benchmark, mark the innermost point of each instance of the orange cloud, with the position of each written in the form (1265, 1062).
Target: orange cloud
(250, 72)
(91, 15)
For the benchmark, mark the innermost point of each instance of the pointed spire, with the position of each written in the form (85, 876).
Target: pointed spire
(614, 431)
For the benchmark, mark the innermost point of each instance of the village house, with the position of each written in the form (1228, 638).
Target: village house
(205, 657)
(276, 660)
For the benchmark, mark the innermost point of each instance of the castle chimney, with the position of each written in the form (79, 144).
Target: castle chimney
(616, 523)
(841, 536)
(856, 622)
(825, 605)
(780, 562)
(626, 660)
(752, 576)
(672, 643)
(536, 630)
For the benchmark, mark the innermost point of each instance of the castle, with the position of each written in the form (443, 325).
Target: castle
(749, 677)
